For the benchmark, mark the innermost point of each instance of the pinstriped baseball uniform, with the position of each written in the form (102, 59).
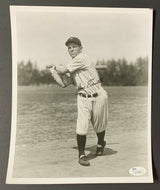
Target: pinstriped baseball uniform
(90, 109)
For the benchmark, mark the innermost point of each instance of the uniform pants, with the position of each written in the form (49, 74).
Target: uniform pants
(94, 110)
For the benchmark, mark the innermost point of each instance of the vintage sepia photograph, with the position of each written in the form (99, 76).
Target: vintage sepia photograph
(81, 95)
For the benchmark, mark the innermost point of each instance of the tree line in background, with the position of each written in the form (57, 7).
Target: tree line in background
(112, 73)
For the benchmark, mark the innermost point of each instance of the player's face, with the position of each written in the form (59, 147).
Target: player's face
(74, 49)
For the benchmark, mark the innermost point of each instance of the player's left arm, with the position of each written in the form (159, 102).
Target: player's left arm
(78, 63)
(60, 75)
(61, 70)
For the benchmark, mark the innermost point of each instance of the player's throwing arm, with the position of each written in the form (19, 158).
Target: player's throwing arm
(62, 80)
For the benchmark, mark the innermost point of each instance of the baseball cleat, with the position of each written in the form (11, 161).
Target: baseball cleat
(83, 160)
(100, 149)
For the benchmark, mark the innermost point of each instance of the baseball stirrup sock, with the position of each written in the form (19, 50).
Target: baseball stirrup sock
(81, 141)
(101, 137)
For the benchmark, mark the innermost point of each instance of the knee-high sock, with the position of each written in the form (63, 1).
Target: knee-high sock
(81, 142)
(101, 137)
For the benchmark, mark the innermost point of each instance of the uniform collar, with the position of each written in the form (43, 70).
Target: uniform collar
(77, 56)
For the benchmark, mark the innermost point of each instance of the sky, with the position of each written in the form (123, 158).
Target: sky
(105, 33)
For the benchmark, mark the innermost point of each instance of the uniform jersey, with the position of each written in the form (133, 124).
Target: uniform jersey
(84, 74)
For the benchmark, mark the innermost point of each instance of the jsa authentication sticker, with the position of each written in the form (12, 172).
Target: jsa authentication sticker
(137, 171)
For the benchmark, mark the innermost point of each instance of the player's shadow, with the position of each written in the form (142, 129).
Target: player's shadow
(92, 152)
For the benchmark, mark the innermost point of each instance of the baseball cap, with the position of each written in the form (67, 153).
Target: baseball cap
(73, 40)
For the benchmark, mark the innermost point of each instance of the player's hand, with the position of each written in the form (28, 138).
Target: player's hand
(50, 66)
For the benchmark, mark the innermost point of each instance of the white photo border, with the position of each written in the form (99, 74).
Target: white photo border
(10, 179)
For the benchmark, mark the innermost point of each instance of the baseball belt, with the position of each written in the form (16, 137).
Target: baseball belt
(88, 95)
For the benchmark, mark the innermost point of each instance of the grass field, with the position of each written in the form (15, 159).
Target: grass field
(46, 139)
(48, 113)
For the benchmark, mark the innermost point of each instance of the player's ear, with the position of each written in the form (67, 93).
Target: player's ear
(81, 48)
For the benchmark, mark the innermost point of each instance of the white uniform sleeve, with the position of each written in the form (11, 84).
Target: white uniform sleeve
(77, 63)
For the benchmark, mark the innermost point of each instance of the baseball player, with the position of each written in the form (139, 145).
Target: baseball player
(92, 99)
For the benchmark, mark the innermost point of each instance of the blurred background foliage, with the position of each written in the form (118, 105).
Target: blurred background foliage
(112, 73)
